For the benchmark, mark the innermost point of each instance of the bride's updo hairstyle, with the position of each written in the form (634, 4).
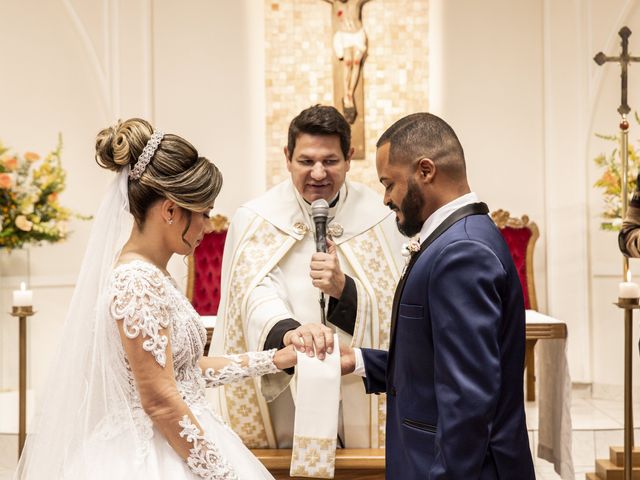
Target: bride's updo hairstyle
(175, 171)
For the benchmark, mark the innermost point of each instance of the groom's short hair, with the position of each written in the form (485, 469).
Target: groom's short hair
(422, 135)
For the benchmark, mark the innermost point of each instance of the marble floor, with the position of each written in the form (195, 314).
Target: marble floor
(597, 424)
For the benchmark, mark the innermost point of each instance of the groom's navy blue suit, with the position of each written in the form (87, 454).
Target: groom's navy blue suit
(453, 373)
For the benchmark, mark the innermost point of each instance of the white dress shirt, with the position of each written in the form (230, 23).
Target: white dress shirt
(428, 227)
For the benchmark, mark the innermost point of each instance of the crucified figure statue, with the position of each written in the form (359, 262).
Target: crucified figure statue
(350, 46)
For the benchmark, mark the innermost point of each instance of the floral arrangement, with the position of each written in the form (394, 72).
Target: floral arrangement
(29, 208)
(611, 180)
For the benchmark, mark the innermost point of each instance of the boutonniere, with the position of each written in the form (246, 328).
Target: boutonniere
(411, 248)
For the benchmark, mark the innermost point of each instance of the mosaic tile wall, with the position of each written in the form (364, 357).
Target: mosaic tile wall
(298, 73)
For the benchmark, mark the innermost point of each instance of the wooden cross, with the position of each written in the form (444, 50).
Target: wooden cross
(624, 59)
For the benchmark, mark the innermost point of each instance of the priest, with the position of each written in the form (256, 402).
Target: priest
(272, 278)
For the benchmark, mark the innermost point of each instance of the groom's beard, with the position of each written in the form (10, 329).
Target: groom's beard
(411, 207)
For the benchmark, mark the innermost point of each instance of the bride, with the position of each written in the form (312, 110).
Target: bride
(125, 397)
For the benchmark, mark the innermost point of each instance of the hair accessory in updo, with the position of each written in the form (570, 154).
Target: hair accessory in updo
(147, 154)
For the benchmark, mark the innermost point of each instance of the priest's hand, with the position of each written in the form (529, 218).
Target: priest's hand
(309, 338)
(347, 359)
(285, 358)
(326, 273)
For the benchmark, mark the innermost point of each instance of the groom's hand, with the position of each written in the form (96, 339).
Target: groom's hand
(347, 359)
(310, 337)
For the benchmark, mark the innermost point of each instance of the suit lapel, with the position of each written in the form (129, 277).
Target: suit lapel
(463, 212)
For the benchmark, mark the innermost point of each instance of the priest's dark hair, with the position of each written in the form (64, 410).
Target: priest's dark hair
(320, 120)
(421, 135)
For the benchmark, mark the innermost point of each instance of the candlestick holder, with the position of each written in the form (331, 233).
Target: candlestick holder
(628, 305)
(22, 312)
(25, 311)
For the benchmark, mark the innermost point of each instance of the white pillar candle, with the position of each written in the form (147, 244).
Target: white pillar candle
(628, 289)
(22, 297)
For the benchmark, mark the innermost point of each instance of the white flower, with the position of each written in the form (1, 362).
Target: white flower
(23, 224)
(410, 248)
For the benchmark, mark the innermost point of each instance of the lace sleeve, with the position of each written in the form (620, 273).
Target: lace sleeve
(139, 300)
(251, 364)
(204, 458)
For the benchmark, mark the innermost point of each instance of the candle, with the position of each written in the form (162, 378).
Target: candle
(22, 297)
(628, 289)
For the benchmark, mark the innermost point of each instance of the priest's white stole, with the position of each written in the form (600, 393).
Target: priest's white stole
(316, 422)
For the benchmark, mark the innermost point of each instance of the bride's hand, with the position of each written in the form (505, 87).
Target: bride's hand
(285, 358)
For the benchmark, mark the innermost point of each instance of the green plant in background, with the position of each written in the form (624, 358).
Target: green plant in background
(611, 180)
(30, 211)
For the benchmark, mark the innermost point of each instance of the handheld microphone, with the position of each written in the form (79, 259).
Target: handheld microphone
(319, 213)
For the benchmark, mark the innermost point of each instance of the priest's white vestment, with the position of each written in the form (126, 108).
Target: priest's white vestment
(265, 279)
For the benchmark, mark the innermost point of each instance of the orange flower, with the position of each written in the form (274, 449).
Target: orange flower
(610, 179)
(52, 197)
(5, 181)
(31, 157)
(10, 163)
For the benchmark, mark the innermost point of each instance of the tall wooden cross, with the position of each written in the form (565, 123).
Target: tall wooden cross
(624, 59)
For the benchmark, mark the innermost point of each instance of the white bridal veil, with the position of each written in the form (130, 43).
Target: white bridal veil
(84, 385)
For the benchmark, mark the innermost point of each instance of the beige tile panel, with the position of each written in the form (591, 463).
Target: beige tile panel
(298, 63)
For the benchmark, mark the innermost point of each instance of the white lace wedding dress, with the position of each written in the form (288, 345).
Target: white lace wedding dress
(148, 302)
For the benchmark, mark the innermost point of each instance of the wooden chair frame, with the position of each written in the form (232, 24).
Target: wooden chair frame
(503, 219)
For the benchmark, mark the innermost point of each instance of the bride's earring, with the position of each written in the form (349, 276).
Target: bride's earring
(170, 221)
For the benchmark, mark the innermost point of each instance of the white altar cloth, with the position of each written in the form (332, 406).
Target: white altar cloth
(554, 399)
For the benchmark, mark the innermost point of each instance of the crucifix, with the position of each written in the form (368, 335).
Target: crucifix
(624, 59)
(350, 50)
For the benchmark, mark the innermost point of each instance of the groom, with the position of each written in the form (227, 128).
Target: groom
(453, 372)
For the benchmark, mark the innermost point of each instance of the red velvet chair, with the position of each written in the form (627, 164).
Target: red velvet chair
(205, 268)
(521, 235)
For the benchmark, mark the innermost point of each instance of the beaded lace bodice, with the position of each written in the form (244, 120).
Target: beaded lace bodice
(150, 306)
(146, 300)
